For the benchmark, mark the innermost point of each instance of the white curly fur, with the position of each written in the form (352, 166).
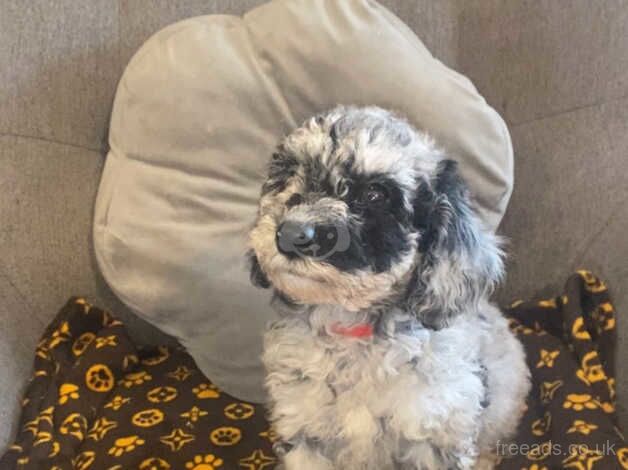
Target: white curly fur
(411, 396)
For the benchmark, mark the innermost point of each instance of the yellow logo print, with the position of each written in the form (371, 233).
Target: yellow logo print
(82, 343)
(154, 463)
(237, 411)
(125, 444)
(622, 456)
(135, 378)
(582, 427)
(147, 418)
(225, 436)
(117, 402)
(591, 370)
(592, 283)
(209, 462)
(68, 392)
(547, 358)
(162, 356)
(542, 425)
(258, 461)
(99, 378)
(579, 331)
(106, 341)
(193, 414)
(60, 335)
(74, 425)
(579, 402)
(205, 390)
(177, 439)
(548, 389)
(181, 373)
(582, 458)
(84, 460)
(162, 394)
(100, 428)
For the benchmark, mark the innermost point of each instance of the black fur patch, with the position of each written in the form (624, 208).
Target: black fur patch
(282, 167)
(442, 210)
(381, 238)
(258, 278)
(451, 185)
(423, 216)
(294, 200)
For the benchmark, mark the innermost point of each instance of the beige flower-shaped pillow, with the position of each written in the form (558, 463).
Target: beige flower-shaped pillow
(196, 116)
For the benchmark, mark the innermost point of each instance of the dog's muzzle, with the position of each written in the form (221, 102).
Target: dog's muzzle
(298, 239)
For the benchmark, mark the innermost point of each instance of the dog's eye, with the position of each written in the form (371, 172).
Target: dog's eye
(294, 200)
(343, 187)
(375, 194)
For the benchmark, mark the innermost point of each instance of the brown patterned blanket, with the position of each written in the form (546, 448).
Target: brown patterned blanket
(97, 401)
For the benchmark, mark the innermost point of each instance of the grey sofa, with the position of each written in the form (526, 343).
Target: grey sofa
(556, 70)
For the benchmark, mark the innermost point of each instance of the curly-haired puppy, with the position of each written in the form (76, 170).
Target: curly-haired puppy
(388, 354)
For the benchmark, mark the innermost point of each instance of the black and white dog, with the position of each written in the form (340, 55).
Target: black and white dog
(388, 354)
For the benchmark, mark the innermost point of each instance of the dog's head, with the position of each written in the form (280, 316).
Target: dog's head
(358, 209)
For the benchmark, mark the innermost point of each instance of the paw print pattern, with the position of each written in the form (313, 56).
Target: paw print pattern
(208, 462)
(125, 444)
(135, 378)
(225, 436)
(206, 390)
(582, 427)
(99, 378)
(147, 418)
(68, 392)
(579, 402)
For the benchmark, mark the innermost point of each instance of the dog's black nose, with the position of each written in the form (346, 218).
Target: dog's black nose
(295, 236)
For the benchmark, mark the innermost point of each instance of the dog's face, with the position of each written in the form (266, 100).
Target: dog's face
(350, 209)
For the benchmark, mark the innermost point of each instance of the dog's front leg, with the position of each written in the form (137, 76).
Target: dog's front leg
(303, 457)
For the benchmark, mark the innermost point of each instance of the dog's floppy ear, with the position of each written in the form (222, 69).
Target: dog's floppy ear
(258, 278)
(460, 261)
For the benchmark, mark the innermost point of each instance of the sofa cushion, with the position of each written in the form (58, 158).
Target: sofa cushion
(197, 114)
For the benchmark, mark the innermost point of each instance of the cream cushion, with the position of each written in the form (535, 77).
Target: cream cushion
(196, 116)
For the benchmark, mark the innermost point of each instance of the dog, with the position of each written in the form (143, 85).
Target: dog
(387, 353)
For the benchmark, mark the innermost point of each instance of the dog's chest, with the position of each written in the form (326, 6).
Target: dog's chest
(351, 393)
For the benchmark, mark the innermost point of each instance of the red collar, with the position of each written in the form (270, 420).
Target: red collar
(361, 330)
